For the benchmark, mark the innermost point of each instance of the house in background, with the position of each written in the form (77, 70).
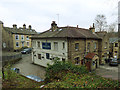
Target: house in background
(15, 38)
(105, 46)
(114, 47)
(66, 43)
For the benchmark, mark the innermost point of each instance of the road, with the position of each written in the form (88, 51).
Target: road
(109, 71)
(27, 68)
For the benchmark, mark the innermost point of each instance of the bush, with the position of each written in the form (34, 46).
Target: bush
(52, 71)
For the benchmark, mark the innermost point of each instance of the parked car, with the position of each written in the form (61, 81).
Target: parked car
(26, 51)
(35, 78)
(113, 62)
(118, 60)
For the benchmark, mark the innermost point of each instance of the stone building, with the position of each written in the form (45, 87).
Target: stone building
(16, 38)
(114, 47)
(65, 43)
(105, 46)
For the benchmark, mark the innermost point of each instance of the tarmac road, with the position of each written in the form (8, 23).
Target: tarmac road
(27, 68)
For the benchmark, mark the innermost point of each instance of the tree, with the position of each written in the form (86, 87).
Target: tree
(100, 22)
(112, 27)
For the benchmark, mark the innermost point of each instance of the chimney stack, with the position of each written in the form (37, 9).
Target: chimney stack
(24, 26)
(77, 26)
(29, 27)
(53, 26)
(14, 26)
(92, 29)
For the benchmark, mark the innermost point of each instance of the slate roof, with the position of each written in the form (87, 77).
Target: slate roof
(113, 40)
(90, 55)
(67, 32)
(101, 34)
(20, 31)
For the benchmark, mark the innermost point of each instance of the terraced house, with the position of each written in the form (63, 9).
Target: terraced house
(78, 45)
(15, 38)
(114, 47)
(105, 46)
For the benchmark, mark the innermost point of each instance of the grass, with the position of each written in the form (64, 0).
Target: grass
(14, 80)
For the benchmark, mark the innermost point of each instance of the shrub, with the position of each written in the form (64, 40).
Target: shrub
(59, 66)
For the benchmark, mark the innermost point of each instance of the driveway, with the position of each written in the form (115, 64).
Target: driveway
(108, 71)
(27, 68)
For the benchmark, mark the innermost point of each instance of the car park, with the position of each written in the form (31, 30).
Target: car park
(113, 62)
(35, 78)
(26, 51)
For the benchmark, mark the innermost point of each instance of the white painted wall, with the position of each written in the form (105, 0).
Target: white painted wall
(60, 53)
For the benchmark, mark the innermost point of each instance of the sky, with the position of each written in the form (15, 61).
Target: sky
(40, 13)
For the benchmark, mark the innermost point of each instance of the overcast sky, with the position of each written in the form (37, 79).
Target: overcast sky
(40, 13)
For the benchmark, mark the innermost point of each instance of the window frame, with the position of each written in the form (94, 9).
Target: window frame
(56, 43)
(76, 46)
(39, 56)
(18, 44)
(22, 36)
(17, 37)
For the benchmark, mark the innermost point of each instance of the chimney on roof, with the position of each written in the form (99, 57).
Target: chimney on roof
(53, 26)
(24, 26)
(1, 24)
(77, 26)
(14, 26)
(92, 28)
(29, 27)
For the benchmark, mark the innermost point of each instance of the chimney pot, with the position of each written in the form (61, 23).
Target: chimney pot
(30, 27)
(24, 26)
(14, 26)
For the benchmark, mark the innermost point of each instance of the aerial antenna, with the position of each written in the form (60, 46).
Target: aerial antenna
(58, 18)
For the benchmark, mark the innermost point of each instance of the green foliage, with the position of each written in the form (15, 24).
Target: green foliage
(73, 80)
(59, 66)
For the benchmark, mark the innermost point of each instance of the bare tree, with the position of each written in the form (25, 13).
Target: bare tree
(100, 22)
(112, 27)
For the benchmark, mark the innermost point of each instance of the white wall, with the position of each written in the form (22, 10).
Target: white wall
(60, 53)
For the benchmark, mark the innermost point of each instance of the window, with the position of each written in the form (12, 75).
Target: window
(38, 44)
(77, 60)
(22, 44)
(88, 46)
(22, 37)
(76, 46)
(17, 44)
(27, 37)
(63, 59)
(95, 45)
(39, 56)
(115, 51)
(17, 37)
(116, 44)
(47, 55)
(63, 45)
(27, 43)
(55, 46)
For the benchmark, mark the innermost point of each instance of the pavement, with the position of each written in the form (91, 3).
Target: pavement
(108, 71)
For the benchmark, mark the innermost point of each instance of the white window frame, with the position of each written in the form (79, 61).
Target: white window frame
(56, 48)
(18, 44)
(16, 36)
(27, 43)
(22, 36)
(27, 38)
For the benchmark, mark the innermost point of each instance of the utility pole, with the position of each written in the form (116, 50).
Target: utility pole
(58, 18)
